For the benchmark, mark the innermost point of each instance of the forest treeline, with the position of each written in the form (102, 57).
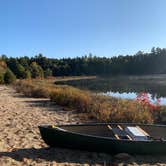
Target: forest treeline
(41, 66)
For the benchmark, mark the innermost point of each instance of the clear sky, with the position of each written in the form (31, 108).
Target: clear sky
(70, 28)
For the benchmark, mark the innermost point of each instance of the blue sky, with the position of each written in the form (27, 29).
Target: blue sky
(70, 28)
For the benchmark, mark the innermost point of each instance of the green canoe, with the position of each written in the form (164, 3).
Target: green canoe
(108, 137)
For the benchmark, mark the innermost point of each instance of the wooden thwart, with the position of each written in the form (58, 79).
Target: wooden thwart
(109, 127)
(120, 127)
(119, 132)
(129, 137)
(116, 135)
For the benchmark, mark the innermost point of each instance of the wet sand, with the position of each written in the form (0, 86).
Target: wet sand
(21, 144)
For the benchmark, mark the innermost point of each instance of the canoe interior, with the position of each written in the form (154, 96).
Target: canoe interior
(103, 130)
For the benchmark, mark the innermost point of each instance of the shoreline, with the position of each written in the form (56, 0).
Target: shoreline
(21, 144)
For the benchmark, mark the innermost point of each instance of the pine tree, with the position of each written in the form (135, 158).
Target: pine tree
(9, 77)
(36, 70)
(47, 73)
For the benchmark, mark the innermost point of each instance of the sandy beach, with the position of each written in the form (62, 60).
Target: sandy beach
(21, 144)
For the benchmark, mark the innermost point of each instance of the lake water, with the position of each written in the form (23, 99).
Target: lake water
(126, 87)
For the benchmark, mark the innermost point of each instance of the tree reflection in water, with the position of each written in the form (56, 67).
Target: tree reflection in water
(125, 86)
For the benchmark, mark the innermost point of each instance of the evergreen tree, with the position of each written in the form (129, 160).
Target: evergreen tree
(140, 63)
(47, 73)
(36, 70)
(3, 68)
(20, 70)
(9, 77)
(27, 74)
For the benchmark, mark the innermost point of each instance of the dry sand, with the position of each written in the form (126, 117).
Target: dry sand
(21, 144)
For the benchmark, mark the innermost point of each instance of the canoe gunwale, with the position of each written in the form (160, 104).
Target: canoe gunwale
(96, 124)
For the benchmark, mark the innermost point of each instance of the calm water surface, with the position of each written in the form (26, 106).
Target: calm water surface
(126, 87)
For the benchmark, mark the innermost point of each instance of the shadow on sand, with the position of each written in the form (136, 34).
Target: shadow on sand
(75, 156)
(38, 102)
(41, 103)
(59, 155)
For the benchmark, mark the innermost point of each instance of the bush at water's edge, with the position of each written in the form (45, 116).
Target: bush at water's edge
(106, 109)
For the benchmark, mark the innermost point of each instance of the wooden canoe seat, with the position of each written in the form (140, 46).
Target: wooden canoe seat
(137, 133)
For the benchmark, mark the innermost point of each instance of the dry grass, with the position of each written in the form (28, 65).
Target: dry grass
(102, 108)
(31, 90)
(72, 97)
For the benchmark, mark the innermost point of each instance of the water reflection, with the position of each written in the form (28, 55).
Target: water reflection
(125, 95)
(125, 87)
(133, 95)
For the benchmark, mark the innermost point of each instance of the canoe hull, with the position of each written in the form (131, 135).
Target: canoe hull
(60, 138)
